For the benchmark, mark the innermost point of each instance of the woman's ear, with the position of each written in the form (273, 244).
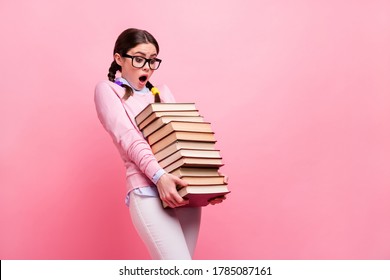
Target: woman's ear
(118, 59)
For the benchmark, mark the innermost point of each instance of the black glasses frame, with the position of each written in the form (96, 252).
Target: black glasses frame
(147, 60)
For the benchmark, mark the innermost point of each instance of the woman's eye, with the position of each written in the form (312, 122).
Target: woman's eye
(139, 59)
(152, 61)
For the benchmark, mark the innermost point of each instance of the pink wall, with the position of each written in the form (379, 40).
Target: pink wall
(298, 93)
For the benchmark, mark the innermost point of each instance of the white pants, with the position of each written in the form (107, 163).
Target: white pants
(169, 234)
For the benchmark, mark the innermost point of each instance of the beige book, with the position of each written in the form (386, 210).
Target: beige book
(182, 135)
(195, 172)
(156, 115)
(177, 145)
(158, 107)
(202, 154)
(207, 180)
(193, 162)
(179, 126)
(158, 123)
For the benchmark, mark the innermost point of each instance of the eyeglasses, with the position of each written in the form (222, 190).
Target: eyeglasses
(139, 61)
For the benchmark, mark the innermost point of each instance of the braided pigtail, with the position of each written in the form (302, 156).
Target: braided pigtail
(129, 91)
(111, 76)
(154, 91)
(112, 71)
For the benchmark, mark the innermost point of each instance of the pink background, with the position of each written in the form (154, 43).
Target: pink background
(298, 93)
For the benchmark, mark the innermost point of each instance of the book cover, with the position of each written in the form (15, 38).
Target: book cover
(177, 145)
(156, 107)
(155, 115)
(184, 136)
(203, 154)
(204, 180)
(200, 196)
(193, 162)
(179, 126)
(160, 122)
(195, 171)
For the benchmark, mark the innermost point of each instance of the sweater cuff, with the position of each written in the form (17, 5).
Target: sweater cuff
(158, 175)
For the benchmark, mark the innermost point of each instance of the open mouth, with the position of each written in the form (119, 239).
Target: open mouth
(143, 78)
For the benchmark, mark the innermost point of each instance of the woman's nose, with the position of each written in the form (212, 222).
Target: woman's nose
(146, 66)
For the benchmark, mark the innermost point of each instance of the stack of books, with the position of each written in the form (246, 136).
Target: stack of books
(184, 145)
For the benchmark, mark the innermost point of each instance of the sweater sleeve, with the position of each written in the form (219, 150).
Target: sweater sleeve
(127, 137)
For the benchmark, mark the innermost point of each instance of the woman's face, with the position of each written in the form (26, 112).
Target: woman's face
(137, 77)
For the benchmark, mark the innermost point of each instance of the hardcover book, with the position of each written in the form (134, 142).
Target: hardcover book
(199, 196)
(155, 115)
(158, 107)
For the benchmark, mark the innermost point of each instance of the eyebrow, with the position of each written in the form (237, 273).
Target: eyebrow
(144, 54)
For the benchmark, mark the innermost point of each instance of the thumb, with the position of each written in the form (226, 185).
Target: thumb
(180, 182)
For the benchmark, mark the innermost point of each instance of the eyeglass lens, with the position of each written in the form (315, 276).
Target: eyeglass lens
(139, 62)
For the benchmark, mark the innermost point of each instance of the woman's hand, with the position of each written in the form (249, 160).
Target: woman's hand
(221, 198)
(217, 200)
(166, 186)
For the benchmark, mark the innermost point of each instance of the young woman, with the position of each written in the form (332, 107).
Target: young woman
(169, 233)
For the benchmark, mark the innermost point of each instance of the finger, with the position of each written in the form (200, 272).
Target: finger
(217, 200)
(180, 182)
(171, 203)
(175, 200)
(179, 201)
(219, 197)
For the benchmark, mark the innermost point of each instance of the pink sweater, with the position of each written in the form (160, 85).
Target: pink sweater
(138, 158)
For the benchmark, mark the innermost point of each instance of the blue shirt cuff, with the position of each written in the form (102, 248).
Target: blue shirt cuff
(158, 175)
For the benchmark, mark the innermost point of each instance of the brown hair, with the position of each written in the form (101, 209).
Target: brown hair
(127, 40)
